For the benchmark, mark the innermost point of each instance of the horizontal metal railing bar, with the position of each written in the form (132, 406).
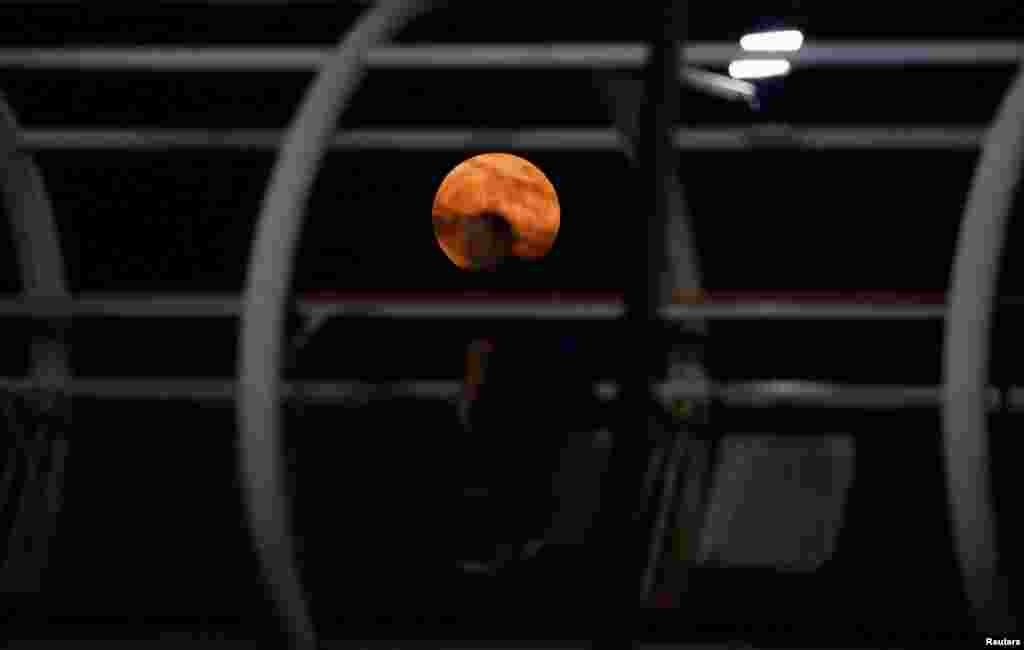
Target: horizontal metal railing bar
(712, 83)
(229, 306)
(766, 394)
(534, 139)
(550, 56)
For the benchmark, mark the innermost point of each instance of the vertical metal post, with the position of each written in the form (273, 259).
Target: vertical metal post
(622, 525)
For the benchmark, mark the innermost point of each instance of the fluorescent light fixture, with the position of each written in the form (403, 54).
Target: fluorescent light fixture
(783, 40)
(720, 85)
(758, 68)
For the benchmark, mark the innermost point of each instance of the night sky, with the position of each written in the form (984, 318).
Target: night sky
(153, 512)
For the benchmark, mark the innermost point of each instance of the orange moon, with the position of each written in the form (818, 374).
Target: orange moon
(492, 206)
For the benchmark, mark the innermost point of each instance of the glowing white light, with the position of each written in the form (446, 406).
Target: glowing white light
(784, 40)
(758, 68)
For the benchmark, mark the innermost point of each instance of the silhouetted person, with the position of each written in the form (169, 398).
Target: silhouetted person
(524, 398)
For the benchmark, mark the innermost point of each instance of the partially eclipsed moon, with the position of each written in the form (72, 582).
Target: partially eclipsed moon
(495, 205)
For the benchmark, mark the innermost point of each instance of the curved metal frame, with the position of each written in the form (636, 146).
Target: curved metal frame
(42, 273)
(966, 359)
(269, 280)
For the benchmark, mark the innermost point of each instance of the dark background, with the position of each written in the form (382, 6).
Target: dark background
(153, 525)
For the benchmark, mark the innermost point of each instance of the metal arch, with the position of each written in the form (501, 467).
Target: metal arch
(42, 271)
(270, 275)
(965, 363)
